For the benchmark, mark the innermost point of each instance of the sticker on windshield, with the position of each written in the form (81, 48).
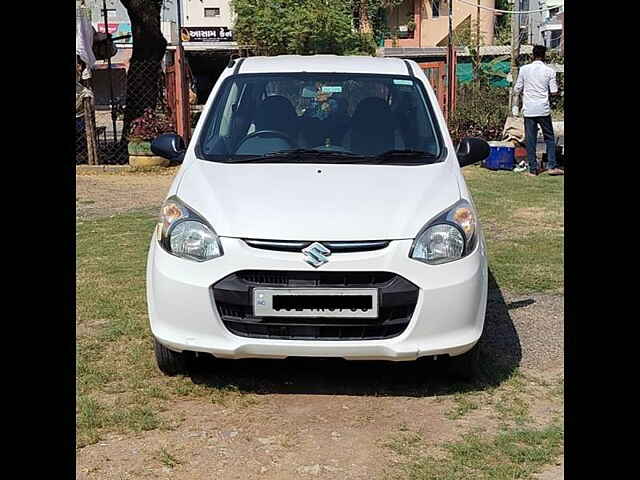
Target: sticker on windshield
(399, 81)
(326, 89)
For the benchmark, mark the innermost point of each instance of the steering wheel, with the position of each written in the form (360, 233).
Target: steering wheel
(260, 133)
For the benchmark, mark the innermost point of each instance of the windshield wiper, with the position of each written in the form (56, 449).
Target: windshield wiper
(404, 156)
(299, 154)
(305, 155)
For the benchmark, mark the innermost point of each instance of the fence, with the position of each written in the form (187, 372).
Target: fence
(120, 95)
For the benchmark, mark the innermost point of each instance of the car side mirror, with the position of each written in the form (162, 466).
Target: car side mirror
(472, 150)
(169, 146)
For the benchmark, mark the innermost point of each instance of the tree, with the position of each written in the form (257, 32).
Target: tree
(502, 27)
(366, 10)
(275, 27)
(149, 46)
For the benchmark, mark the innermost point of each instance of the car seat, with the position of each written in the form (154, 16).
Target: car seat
(372, 128)
(276, 113)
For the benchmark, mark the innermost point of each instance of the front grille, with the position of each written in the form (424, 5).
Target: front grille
(335, 247)
(233, 299)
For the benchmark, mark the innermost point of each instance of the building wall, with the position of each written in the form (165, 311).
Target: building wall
(431, 31)
(193, 12)
(435, 30)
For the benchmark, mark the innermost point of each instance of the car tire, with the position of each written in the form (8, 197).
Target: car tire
(466, 367)
(169, 362)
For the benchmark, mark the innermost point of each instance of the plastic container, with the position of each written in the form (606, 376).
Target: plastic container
(502, 156)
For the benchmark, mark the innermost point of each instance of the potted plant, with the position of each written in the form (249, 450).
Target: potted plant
(143, 130)
(411, 24)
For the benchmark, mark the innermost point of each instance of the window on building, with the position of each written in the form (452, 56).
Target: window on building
(211, 12)
(554, 38)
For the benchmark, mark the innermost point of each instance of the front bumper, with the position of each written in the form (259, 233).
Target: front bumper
(448, 318)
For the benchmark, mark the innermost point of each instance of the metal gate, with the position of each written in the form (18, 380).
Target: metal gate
(436, 72)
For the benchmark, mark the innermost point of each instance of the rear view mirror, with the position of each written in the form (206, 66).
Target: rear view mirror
(472, 150)
(169, 146)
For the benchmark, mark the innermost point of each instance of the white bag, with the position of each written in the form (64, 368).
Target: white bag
(84, 44)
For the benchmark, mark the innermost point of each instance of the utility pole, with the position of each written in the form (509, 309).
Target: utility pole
(451, 82)
(179, 22)
(515, 48)
(478, 58)
(114, 113)
(183, 110)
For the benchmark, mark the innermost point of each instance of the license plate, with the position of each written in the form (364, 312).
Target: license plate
(316, 302)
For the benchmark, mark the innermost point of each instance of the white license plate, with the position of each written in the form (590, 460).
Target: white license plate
(316, 302)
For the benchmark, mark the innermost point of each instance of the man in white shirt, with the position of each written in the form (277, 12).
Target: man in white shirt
(536, 80)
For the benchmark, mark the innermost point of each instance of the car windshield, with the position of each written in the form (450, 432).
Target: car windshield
(323, 118)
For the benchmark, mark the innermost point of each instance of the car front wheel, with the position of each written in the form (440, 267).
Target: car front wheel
(466, 367)
(169, 362)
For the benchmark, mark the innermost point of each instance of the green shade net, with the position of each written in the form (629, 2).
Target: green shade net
(498, 72)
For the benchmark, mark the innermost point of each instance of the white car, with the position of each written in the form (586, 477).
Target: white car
(319, 211)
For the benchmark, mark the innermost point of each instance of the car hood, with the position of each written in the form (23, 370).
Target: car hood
(318, 202)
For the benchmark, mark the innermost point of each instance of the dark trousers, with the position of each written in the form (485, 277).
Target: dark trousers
(531, 139)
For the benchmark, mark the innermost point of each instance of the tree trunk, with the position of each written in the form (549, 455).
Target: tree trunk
(149, 46)
(365, 21)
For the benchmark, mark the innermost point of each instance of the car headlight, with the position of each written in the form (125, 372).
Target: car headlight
(449, 237)
(184, 233)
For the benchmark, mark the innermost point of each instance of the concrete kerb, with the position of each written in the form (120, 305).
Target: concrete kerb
(98, 169)
(102, 168)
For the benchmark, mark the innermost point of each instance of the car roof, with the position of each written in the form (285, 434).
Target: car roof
(324, 63)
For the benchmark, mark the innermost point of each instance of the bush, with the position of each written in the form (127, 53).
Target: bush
(481, 110)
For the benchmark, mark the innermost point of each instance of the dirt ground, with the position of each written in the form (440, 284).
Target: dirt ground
(317, 418)
(109, 194)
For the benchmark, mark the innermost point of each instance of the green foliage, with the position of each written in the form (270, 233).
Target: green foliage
(276, 27)
(502, 28)
(481, 110)
(372, 7)
(557, 101)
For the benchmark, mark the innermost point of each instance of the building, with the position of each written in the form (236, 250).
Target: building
(554, 6)
(530, 22)
(542, 28)
(207, 21)
(206, 32)
(425, 23)
(552, 27)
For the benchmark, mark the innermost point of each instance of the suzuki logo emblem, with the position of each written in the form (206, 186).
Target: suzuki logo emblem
(316, 254)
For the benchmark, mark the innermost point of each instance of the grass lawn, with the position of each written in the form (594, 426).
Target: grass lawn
(508, 455)
(523, 222)
(119, 388)
(118, 385)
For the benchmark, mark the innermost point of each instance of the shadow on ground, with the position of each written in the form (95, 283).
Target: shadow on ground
(500, 356)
